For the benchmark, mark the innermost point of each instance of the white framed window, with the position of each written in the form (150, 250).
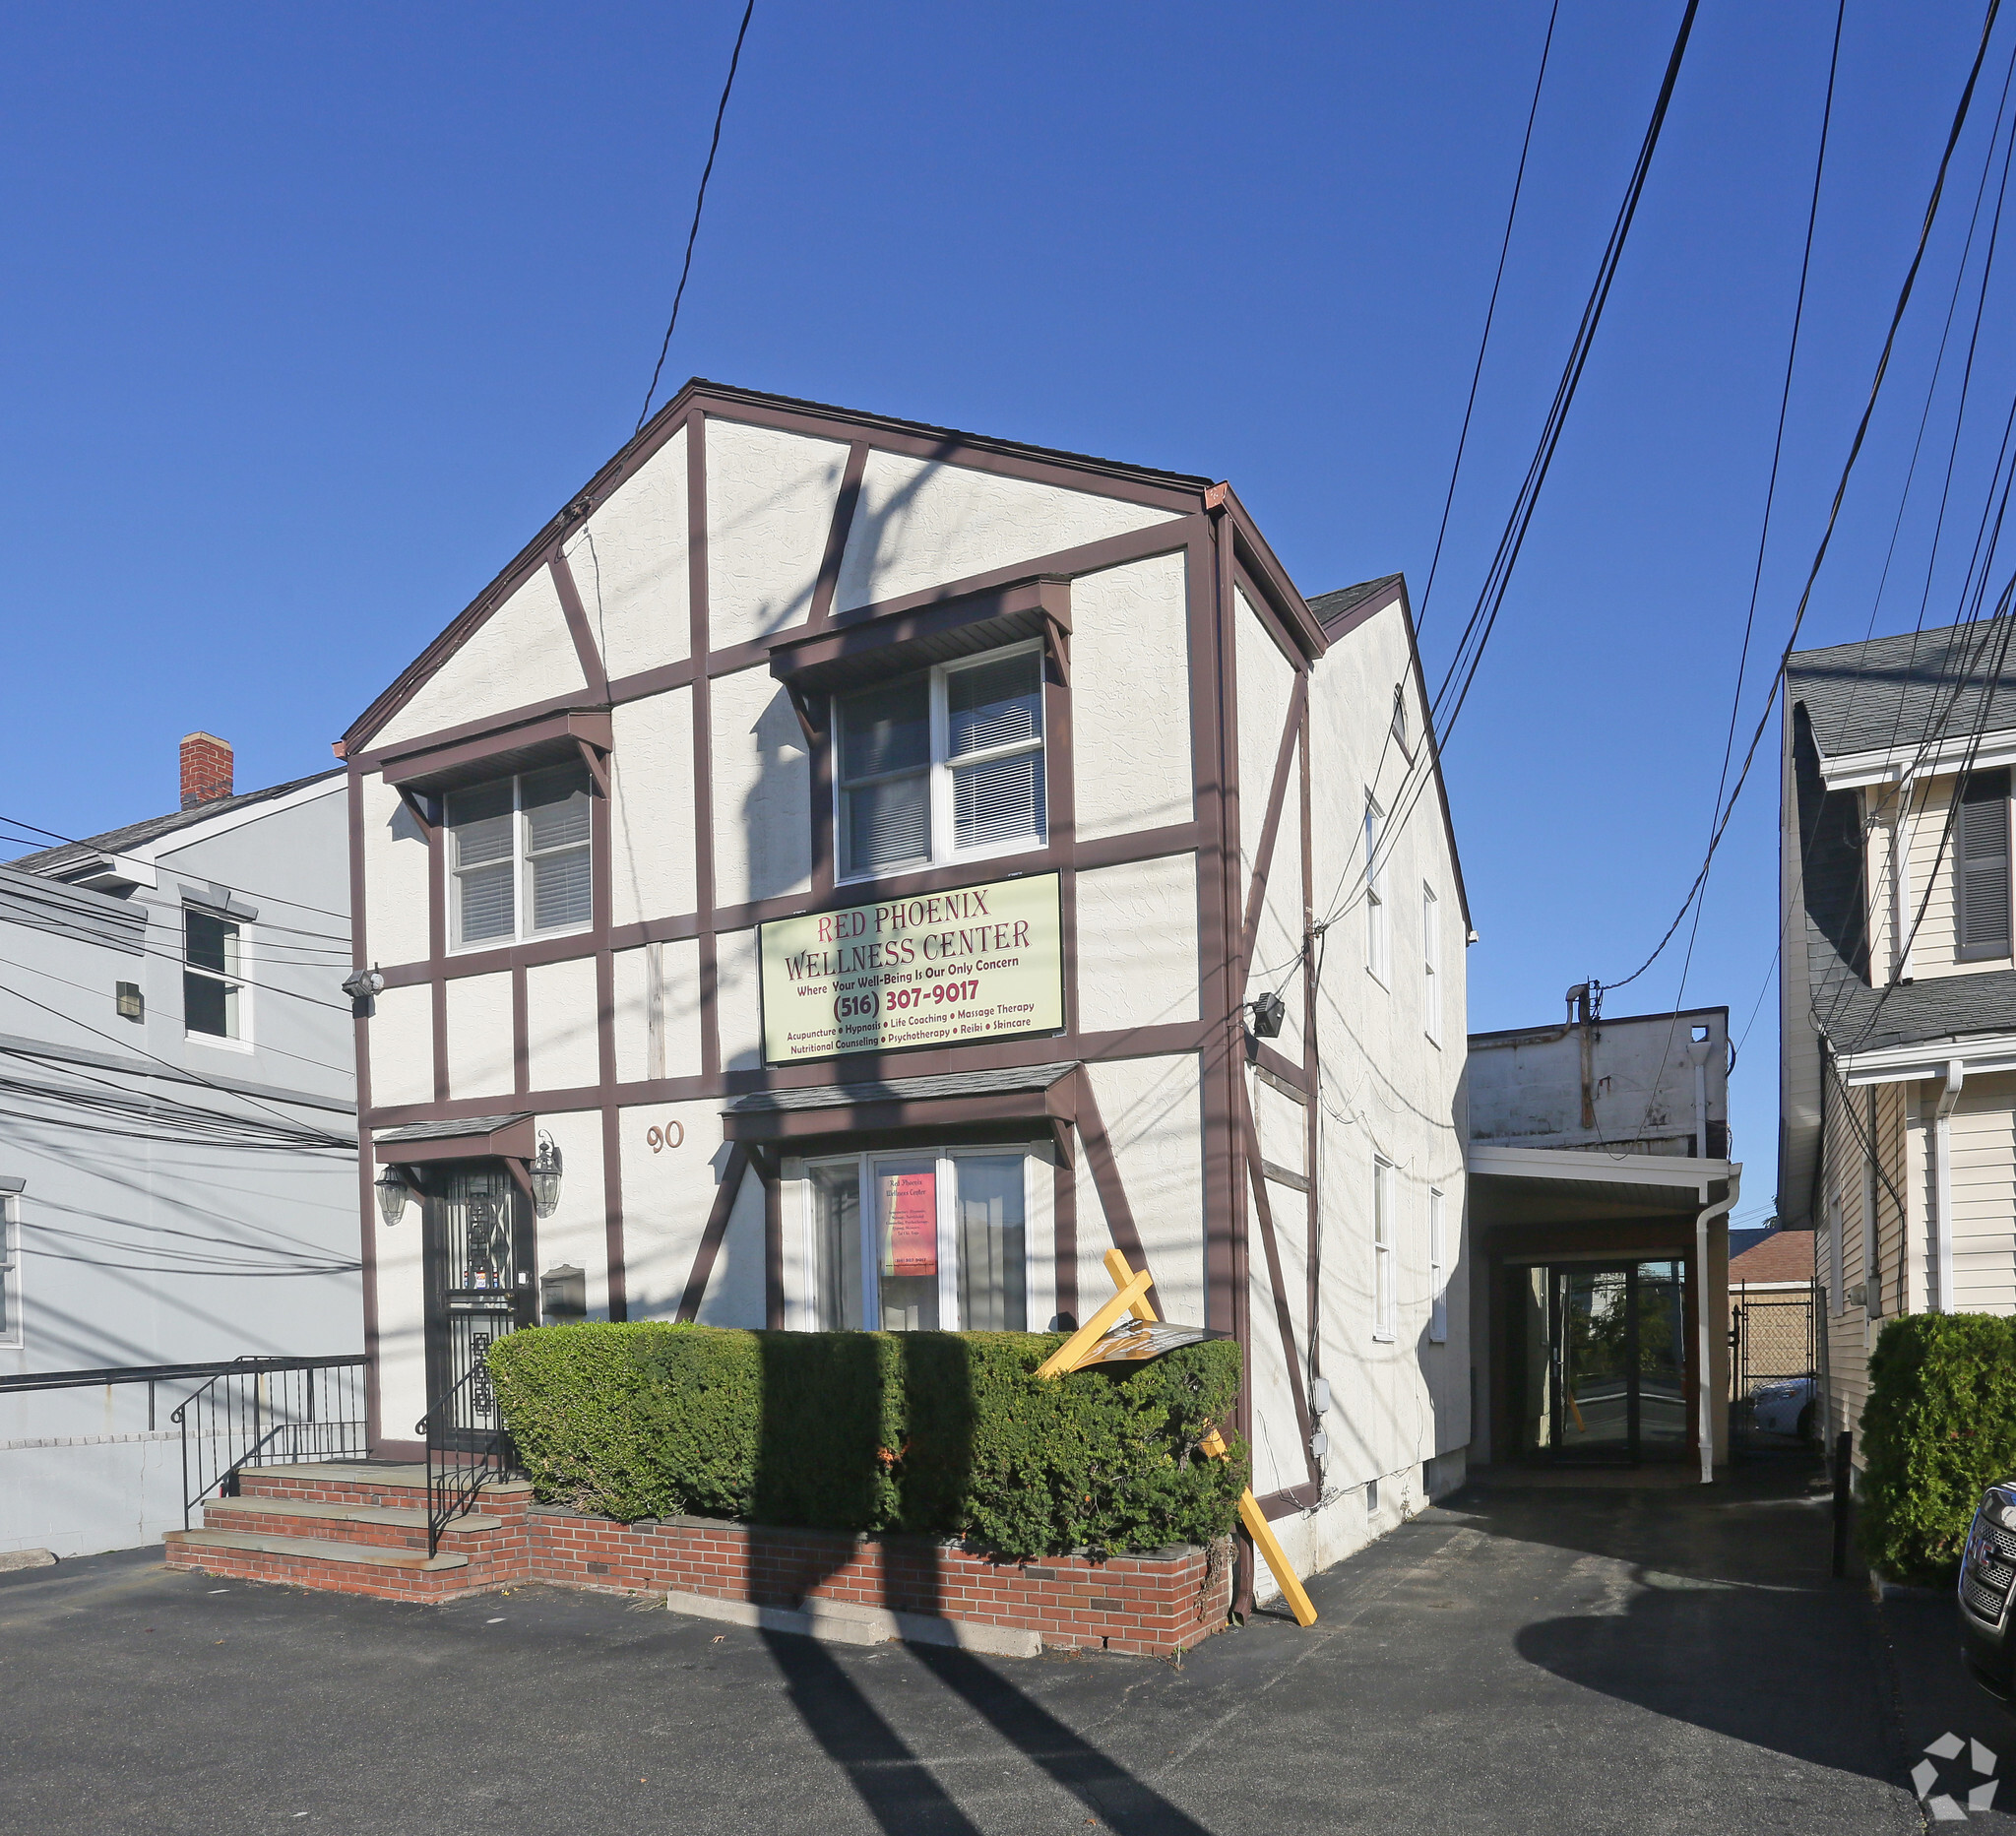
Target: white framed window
(944, 765)
(215, 1002)
(1438, 1270)
(1378, 927)
(518, 858)
(10, 1267)
(919, 1239)
(1431, 964)
(1383, 1305)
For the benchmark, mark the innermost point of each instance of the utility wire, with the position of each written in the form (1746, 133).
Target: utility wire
(1490, 315)
(699, 204)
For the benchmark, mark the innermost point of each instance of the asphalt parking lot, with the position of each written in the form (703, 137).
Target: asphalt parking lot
(1525, 1659)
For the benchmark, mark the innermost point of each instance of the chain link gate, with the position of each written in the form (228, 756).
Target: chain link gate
(1774, 1370)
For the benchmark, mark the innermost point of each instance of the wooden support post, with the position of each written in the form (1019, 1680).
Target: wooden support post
(1212, 1444)
(1065, 1358)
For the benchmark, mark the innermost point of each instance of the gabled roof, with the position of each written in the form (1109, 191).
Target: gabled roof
(1899, 691)
(67, 857)
(1330, 608)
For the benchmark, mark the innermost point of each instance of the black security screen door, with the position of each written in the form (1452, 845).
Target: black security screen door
(480, 1260)
(1602, 1370)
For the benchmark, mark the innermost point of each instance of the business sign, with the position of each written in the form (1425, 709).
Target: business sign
(937, 970)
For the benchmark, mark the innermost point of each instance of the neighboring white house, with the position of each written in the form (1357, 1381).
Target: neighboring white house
(177, 1135)
(1898, 1029)
(876, 871)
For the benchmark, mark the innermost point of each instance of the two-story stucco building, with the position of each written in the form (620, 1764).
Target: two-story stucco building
(855, 874)
(1897, 1094)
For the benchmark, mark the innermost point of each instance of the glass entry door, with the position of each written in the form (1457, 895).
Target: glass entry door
(1602, 1375)
(480, 1257)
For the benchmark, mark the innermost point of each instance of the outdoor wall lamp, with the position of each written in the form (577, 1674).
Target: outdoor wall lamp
(545, 1176)
(392, 1192)
(362, 985)
(1269, 1010)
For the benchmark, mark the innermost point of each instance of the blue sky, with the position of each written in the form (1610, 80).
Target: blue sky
(314, 315)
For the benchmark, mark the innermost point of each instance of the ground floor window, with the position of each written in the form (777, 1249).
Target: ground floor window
(919, 1239)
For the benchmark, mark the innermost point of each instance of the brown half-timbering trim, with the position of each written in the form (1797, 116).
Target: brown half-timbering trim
(770, 1172)
(1277, 1284)
(1106, 1179)
(521, 1033)
(437, 950)
(715, 1229)
(601, 869)
(1294, 1078)
(1278, 1504)
(585, 648)
(703, 744)
(1293, 1092)
(1039, 1106)
(1065, 1238)
(360, 1046)
(1260, 562)
(1269, 827)
(417, 808)
(1060, 812)
(1270, 620)
(1284, 1176)
(843, 503)
(1312, 1066)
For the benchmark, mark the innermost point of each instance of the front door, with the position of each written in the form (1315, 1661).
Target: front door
(480, 1259)
(1604, 1371)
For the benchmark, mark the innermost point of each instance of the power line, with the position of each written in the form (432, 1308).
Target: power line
(699, 203)
(1490, 315)
(1840, 491)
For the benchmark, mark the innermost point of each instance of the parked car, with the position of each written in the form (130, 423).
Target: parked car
(1987, 1572)
(1785, 1407)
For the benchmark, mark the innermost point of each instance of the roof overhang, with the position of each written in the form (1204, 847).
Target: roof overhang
(1043, 1095)
(1588, 1180)
(474, 1137)
(1979, 1055)
(1850, 771)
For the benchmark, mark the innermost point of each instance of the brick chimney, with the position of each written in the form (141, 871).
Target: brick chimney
(206, 769)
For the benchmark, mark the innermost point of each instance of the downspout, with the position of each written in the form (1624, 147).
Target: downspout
(1703, 1332)
(1942, 1185)
(1697, 1055)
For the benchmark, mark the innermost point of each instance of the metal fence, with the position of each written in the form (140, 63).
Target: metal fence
(1774, 1369)
(268, 1412)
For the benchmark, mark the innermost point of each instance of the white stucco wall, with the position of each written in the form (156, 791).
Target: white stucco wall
(738, 1001)
(770, 498)
(668, 1195)
(402, 1337)
(735, 1291)
(630, 566)
(395, 878)
(1130, 708)
(561, 1023)
(1137, 944)
(1154, 1115)
(762, 792)
(479, 1036)
(657, 987)
(577, 1231)
(520, 653)
(920, 523)
(652, 826)
(1283, 1125)
(402, 1035)
(1266, 685)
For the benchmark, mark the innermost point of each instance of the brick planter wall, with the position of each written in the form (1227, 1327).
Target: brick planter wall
(1148, 1605)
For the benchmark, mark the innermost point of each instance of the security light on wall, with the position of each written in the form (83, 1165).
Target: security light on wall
(545, 1176)
(131, 1003)
(392, 1193)
(1269, 1010)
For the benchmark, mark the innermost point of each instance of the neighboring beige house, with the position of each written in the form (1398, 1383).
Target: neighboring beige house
(1898, 1023)
(848, 873)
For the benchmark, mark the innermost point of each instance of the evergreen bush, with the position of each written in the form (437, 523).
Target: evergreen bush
(937, 1434)
(1938, 1427)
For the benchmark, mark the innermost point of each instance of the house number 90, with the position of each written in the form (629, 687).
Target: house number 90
(672, 1135)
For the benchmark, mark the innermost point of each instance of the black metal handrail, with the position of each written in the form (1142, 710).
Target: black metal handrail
(268, 1412)
(467, 1447)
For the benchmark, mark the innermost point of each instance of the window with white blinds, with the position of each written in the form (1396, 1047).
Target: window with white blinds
(1981, 838)
(519, 856)
(946, 764)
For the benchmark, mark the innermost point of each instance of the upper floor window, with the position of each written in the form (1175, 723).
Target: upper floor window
(213, 984)
(1438, 1270)
(1384, 1307)
(1378, 930)
(518, 855)
(947, 765)
(1980, 838)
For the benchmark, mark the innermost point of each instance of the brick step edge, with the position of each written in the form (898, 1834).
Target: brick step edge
(842, 1622)
(414, 1587)
(313, 1549)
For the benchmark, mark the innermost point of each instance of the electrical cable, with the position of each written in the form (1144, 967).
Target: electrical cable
(699, 203)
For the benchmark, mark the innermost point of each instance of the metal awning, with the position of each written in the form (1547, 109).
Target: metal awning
(1045, 1094)
(470, 1137)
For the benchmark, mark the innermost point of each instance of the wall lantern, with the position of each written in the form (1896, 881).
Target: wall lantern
(131, 1003)
(392, 1192)
(363, 986)
(1269, 1010)
(545, 1176)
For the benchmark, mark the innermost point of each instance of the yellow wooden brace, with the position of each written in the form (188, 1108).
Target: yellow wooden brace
(1250, 1513)
(1066, 1355)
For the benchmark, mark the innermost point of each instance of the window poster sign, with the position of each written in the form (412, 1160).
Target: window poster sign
(909, 1221)
(935, 969)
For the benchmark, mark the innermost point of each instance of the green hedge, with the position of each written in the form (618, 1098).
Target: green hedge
(939, 1433)
(1939, 1425)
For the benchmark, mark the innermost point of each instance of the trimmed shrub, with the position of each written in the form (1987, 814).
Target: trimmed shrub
(948, 1435)
(1939, 1425)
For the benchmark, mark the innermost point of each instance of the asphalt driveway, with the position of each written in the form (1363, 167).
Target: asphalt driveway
(1527, 1658)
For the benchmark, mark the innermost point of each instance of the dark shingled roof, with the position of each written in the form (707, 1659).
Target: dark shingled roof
(1781, 1256)
(1329, 606)
(1895, 691)
(56, 862)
